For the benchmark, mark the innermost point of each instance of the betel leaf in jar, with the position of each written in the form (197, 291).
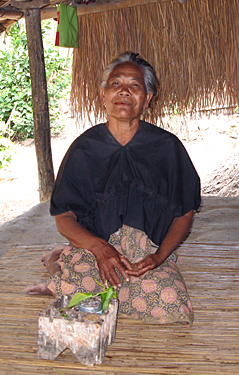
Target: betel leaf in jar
(106, 295)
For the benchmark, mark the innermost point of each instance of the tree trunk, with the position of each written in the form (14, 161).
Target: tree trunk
(40, 104)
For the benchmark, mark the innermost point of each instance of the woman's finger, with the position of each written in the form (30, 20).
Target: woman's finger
(108, 270)
(122, 270)
(143, 266)
(114, 279)
(120, 266)
(102, 275)
(126, 262)
(138, 272)
(150, 260)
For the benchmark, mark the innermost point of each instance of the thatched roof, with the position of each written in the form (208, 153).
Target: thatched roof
(193, 45)
(194, 48)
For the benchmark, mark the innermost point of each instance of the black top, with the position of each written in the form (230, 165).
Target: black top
(144, 184)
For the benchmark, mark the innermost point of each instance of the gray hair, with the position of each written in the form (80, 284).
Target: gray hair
(150, 78)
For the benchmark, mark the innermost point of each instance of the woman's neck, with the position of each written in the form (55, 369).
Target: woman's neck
(123, 132)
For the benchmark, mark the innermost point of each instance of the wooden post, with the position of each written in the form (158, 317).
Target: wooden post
(40, 104)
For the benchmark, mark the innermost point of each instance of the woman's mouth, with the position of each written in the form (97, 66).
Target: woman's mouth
(121, 102)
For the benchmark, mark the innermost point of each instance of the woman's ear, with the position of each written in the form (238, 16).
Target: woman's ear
(148, 99)
(102, 95)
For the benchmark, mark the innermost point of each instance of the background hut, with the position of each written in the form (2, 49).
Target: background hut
(193, 45)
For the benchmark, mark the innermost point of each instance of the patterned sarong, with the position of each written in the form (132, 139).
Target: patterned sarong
(158, 296)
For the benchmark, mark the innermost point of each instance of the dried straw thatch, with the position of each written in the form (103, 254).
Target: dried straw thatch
(194, 48)
(224, 181)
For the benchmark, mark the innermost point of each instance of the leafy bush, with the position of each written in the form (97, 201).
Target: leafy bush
(6, 151)
(6, 148)
(15, 82)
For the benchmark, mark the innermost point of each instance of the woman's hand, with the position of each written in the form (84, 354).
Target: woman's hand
(177, 232)
(137, 269)
(109, 260)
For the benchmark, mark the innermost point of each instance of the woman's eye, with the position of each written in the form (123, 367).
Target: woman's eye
(136, 85)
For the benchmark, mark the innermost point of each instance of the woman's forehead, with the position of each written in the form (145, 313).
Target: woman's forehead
(129, 69)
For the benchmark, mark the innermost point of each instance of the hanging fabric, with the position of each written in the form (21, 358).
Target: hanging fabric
(67, 28)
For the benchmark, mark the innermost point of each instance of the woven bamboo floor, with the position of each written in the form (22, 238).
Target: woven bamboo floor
(211, 346)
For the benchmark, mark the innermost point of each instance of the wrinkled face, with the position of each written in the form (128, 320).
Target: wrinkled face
(124, 95)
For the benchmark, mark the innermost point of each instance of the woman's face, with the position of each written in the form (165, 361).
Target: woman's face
(124, 95)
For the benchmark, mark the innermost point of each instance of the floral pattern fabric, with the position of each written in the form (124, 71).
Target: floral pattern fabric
(158, 296)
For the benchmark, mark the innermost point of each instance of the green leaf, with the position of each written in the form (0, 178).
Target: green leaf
(77, 298)
(106, 298)
(114, 293)
(102, 286)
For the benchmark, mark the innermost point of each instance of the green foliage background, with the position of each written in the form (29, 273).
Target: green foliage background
(15, 85)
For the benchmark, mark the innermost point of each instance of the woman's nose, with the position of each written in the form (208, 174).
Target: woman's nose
(124, 90)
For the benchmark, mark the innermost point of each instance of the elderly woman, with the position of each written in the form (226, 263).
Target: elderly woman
(124, 197)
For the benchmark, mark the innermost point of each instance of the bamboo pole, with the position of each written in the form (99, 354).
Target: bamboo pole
(40, 104)
(82, 9)
(10, 15)
(103, 6)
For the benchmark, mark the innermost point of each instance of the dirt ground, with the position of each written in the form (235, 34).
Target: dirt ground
(24, 221)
